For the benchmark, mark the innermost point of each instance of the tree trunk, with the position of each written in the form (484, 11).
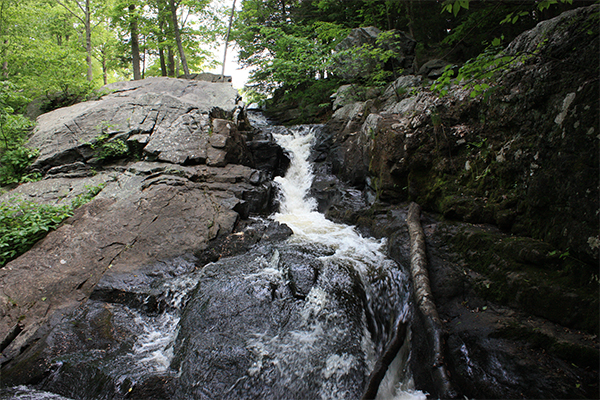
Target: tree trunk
(87, 24)
(426, 306)
(170, 62)
(163, 64)
(227, 41)
(186, 70)
(135, 43)
(410, 14)
(104, 71)
(163, 25)
(88, 41)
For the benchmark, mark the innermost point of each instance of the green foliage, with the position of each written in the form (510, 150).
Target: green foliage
(312, 99)
(454, 6)
(24, 222)
(476, 74)
(14, 164)
(106, 149)
(84, 198)
(284, 55)
(15, 158)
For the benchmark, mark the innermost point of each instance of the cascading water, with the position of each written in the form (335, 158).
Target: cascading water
(299, 211)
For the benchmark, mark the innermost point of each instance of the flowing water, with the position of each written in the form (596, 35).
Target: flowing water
(304, 318)
(299, 211)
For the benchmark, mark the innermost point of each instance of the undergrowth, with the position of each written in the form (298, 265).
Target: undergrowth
(24, 222)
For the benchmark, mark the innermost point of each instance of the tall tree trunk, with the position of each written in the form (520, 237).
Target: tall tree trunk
(411, 18)
(163, 26)
(104, 70)
(88, 40)
(186, 70)
(163, 64)
(227, 41)
(87, 24)
(135, 43)
(5, 63)
(170, 62)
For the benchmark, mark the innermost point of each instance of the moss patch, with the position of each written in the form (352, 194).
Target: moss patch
(530, 274)
(580, 355)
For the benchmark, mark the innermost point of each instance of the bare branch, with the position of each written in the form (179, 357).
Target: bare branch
(71, 11)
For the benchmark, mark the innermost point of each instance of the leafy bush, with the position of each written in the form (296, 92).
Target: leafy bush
(14, 164)
(24, 222)
(14, 156)
(67, 96)
(86, 197)
(313, 100)
(479, 74)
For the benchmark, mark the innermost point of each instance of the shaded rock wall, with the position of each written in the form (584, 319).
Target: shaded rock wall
(512, 183)
(526, 158)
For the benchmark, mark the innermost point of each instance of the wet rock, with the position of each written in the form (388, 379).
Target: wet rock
(145, 212)
(499, 344)
(280, 355)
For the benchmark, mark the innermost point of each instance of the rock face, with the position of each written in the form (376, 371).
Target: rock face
(169, 119)
(524, 159)
(194, 183)
(518, 168)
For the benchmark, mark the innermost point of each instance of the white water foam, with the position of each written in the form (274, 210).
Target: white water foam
(154, 347)
(299, 211)
(29, 393)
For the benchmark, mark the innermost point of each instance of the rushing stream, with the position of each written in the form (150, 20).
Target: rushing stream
(365, 255)
(304, 318)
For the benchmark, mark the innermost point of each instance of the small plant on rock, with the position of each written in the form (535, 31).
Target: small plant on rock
(107, 150)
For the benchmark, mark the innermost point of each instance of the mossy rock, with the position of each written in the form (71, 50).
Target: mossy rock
(530, 275)
(578, 354)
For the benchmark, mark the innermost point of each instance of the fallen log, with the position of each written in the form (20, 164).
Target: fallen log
(390, 352)
(425, 304)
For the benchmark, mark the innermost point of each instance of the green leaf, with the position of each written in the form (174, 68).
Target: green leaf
(456, 8)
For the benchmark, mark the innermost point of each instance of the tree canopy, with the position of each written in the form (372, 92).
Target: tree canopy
(71, 46)
(60, 50)
(290, 43)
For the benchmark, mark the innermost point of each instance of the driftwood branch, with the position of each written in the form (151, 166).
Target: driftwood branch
(425, 303)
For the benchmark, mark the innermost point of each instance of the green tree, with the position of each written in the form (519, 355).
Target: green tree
(82, 11)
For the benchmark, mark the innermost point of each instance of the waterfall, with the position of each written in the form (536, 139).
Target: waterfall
(299, 211)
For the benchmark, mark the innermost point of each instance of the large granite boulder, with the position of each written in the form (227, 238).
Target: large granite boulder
(169, 119)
